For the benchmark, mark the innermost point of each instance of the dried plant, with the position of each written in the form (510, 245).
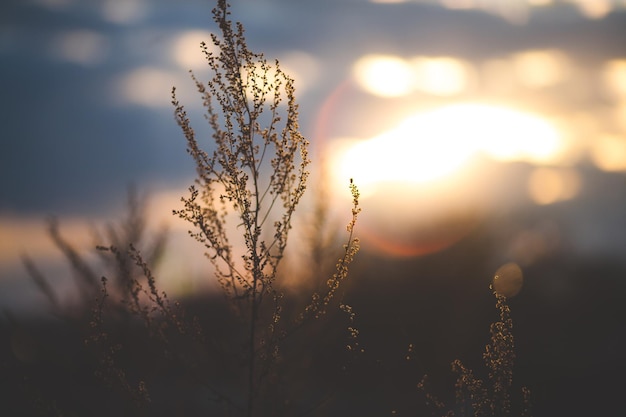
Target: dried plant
(251, 184)
(121, 268)
(101, 323)
(251, 177)
(472, 395)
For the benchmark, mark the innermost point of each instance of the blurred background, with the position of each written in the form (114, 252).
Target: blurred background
(481, 133)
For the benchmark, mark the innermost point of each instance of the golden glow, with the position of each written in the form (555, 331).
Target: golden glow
(26, 235)
(255, 79)
(609, 153)
(433, 144)
(392, 76)
(147, 86)
(422, 148)
(384, 75)
(443, 76)
(496, 75)
(186, 50)
(540, 68)
(614, 74)
(594, 9)
(189, 269)
(550, 185)
(299, 66)
(510, 135)
(619, 115)
(302, 67)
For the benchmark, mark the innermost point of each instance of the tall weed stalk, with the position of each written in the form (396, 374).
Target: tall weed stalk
(248, 185)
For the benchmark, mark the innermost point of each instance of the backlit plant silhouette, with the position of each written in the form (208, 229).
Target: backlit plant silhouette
(251, 176)
(258, 171)
(245, 195)
(491, 398)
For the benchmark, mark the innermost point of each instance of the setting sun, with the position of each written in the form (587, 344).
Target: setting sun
(433, 144)
(421, 180)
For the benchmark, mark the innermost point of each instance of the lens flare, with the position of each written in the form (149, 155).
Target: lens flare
(508, 280)
(416, 174)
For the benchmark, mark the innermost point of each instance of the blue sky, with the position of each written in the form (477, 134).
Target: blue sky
(86, 100)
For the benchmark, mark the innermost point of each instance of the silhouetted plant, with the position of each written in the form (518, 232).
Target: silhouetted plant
(104, 321)
(474, 396)
(242, 209)
(258, 171)
(247, 187)
(121, 269)
(131, 230)
(251, 177)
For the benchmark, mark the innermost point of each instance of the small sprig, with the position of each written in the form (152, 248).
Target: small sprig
(317, 305)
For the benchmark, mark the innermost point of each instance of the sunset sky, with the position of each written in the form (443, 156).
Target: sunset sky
(444, 112)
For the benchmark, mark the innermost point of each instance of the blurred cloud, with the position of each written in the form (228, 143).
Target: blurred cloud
(384, 75)
(447, 76)
(550, 185)
(513, 11)
(518, 11)
(496, 75)
(527, 69)
(614, 75)
(394, 76)
(124, 11)
(54, 4)
(28, 235)
(441, 76)
(148, 86)
(608, 153)
(540, 68)
(83, 47)
(186, 51)
(458, 4)
(619, 116)
(302, 67)
(594, 9)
